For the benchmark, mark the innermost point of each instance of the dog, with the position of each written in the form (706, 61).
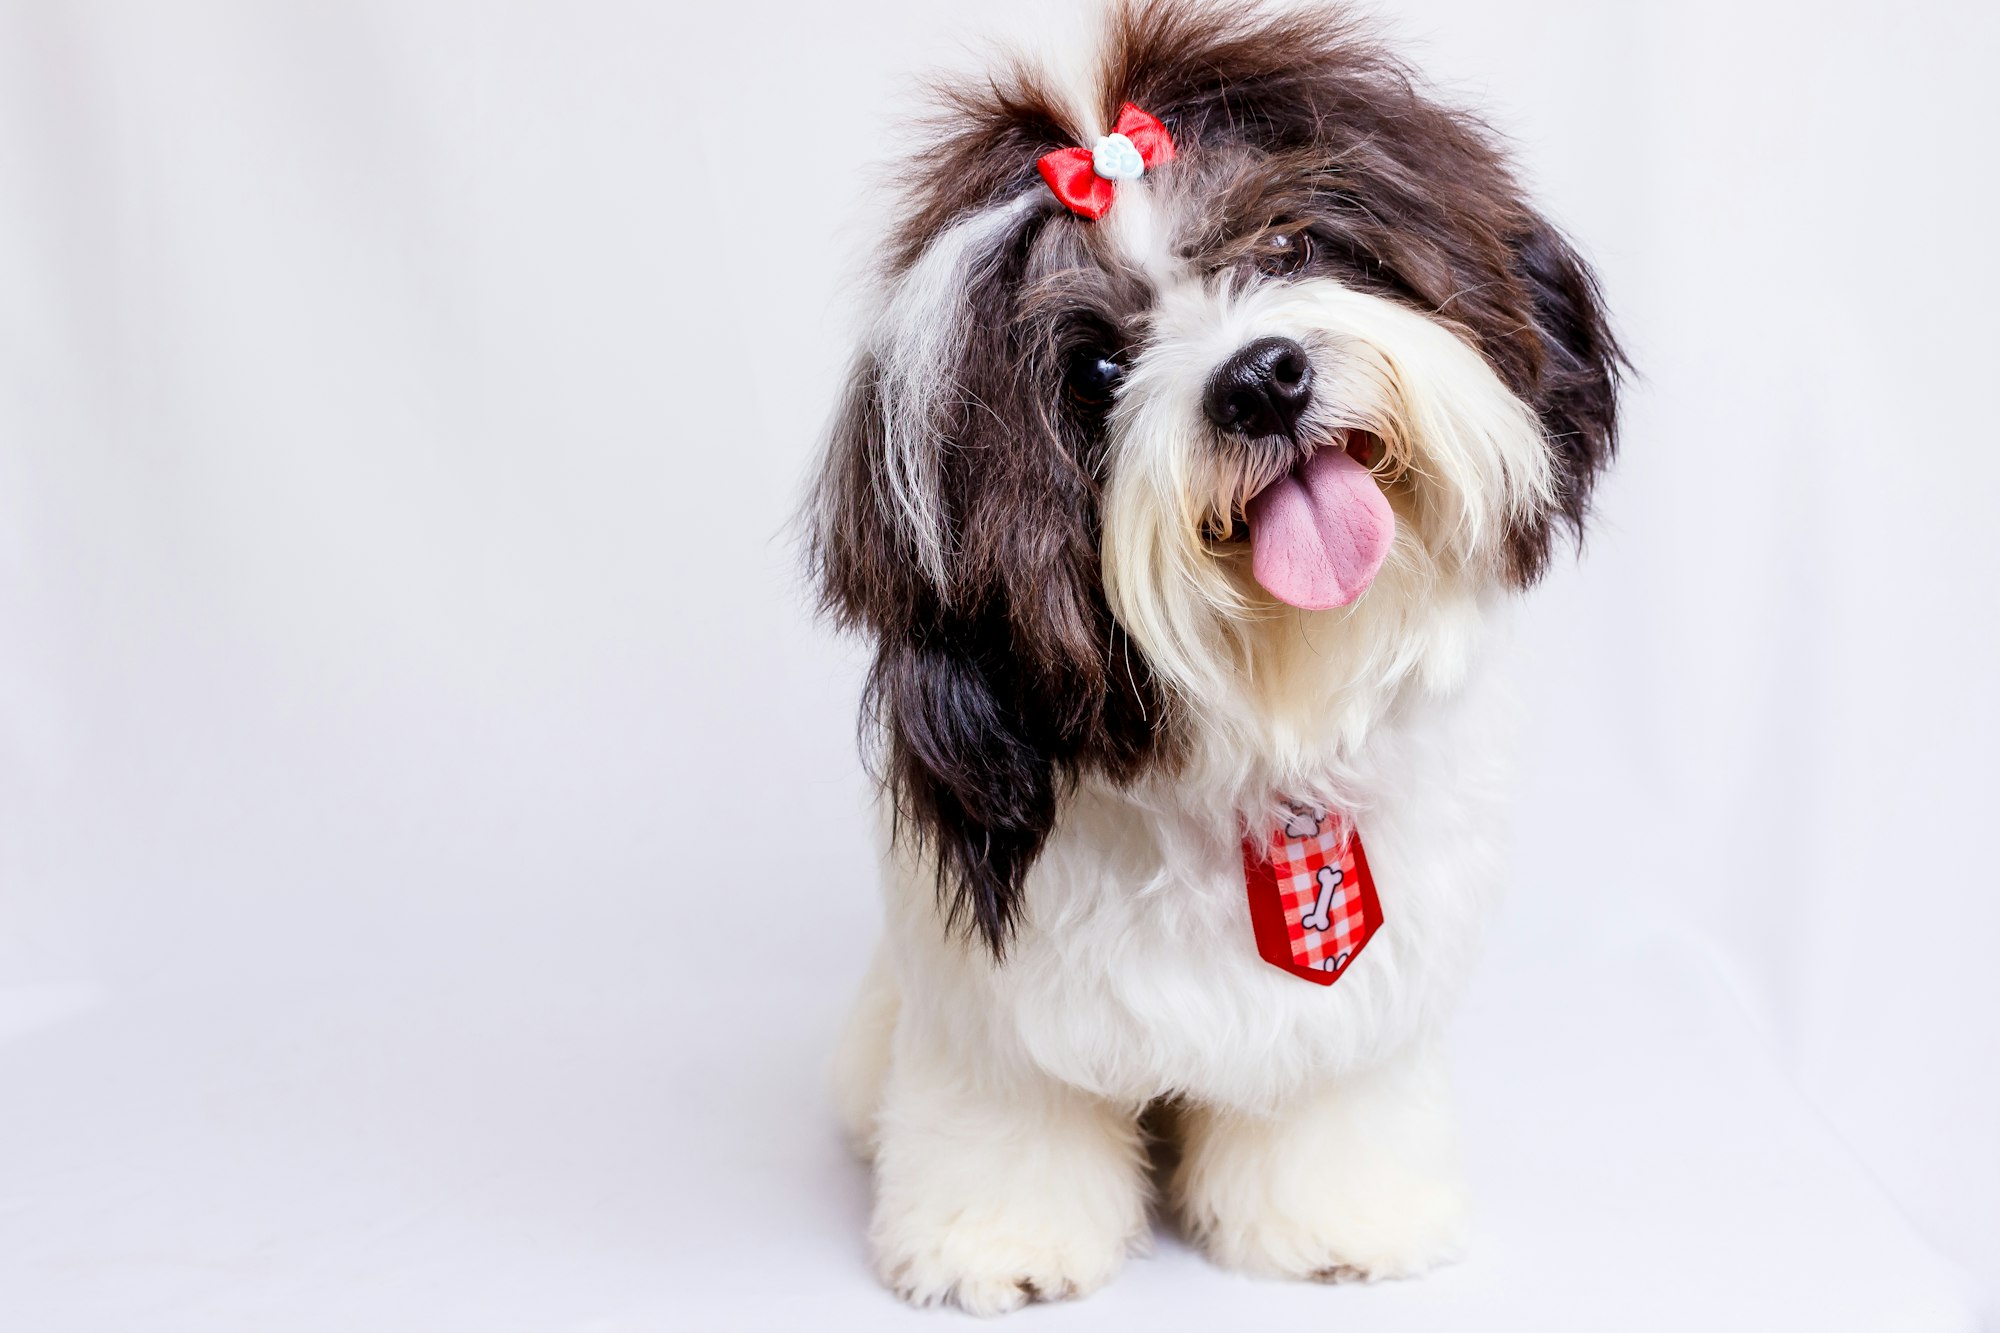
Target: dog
(1214, 404)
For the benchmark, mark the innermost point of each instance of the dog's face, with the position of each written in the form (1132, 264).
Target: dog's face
(1218, 470)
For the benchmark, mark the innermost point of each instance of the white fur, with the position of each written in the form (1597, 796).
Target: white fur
(1357, 1179)
(912, 340)
(996, 1183)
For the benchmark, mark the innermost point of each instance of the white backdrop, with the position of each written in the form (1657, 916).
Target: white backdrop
(409, 715)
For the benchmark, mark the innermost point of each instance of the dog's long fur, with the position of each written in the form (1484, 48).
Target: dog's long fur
(1081, 700)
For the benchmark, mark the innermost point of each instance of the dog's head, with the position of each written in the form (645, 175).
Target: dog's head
(1216, 472)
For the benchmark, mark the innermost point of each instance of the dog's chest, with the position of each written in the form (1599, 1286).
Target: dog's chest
(1141, 974)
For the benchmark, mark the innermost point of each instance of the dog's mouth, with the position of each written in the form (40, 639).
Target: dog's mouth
(1319, 530)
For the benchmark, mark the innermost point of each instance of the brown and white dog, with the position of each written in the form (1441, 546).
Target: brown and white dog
(1173, 525)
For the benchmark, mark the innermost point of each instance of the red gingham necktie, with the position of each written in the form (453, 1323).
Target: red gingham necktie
(1312, 901)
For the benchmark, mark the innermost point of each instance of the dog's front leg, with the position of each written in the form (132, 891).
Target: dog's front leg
(994, 1187)
(1357, 1179)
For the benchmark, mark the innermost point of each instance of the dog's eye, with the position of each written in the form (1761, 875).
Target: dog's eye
(1281, 253)
(1093, 377)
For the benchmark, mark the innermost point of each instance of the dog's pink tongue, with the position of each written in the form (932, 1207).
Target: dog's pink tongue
(1318, 535)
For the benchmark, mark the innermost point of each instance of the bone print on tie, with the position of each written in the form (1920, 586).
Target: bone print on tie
(1313, 905)
(1329, 880)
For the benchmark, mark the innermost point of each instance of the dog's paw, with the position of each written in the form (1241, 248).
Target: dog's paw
(1393, 1234)
(988, 1264)
(1357, 1181)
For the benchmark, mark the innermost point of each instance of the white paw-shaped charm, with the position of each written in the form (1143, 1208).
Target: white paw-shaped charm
(1302, 822)
(1116, 158)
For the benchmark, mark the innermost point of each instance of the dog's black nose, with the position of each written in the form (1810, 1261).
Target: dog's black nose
(1262, 390)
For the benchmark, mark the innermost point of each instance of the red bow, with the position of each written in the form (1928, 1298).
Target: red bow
(1074, 173)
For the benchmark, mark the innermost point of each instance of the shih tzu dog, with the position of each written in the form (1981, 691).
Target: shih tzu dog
(1215, 401)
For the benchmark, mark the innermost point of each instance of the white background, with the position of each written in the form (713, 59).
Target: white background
(431, 847)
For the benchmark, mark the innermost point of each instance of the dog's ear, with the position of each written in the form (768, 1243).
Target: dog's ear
(1575, 391)
(975, 775)
(955, 522)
